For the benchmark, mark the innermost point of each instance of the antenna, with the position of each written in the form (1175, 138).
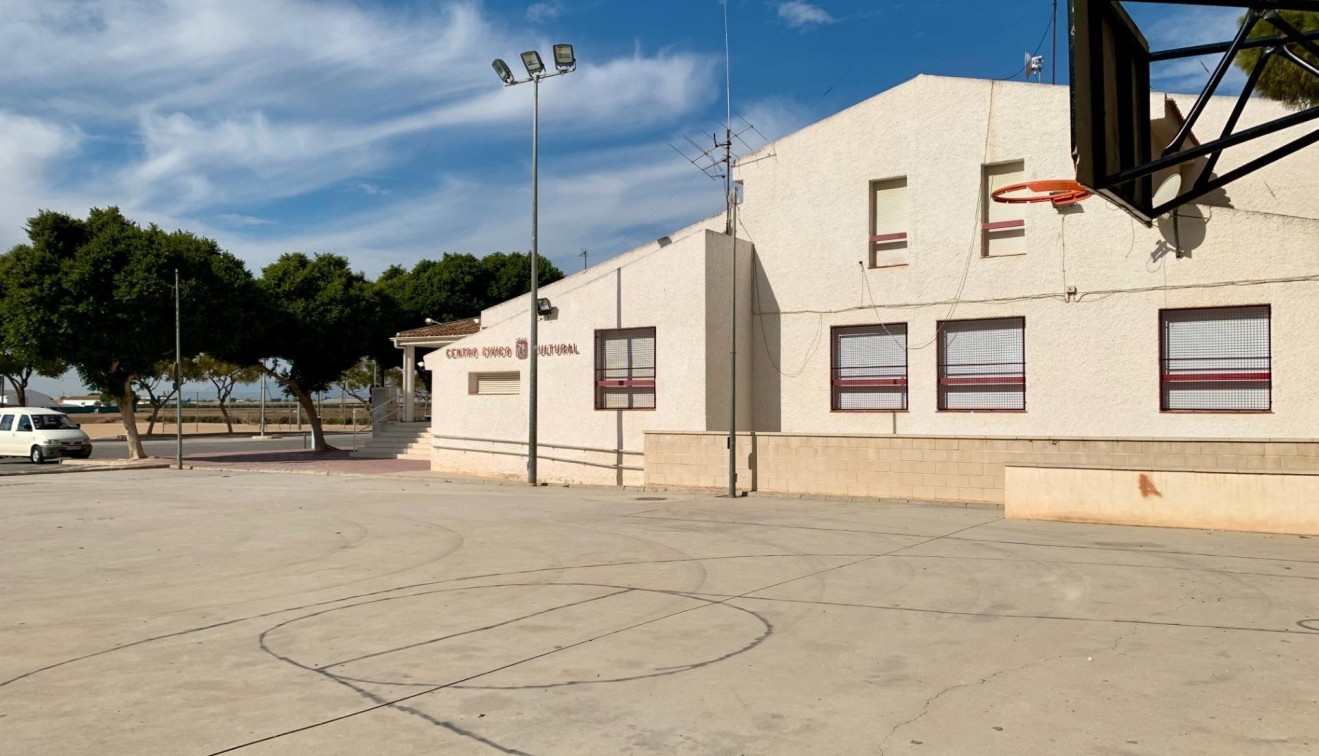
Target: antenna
(1034, 67)
(583, 256)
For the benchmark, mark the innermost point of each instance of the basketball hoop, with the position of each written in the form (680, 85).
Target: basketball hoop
(1061, 192)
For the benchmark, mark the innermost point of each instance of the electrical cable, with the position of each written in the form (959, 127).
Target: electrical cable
(1053, 21)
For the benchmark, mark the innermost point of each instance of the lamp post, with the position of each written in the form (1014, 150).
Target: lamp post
(565, 62)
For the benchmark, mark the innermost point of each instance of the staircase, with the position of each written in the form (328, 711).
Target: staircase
(398, 441)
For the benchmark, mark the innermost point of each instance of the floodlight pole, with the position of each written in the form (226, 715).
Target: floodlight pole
(178, 373)
(533, 340)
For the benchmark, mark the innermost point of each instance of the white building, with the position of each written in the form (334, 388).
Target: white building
(901, 335)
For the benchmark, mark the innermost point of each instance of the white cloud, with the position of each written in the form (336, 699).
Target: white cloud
(235, 219)
(797, 14)
(179, 111)
(542, 12)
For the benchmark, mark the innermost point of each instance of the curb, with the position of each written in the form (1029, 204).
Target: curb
(63, 468)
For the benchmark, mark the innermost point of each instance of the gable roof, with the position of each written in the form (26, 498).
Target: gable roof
(464, 327)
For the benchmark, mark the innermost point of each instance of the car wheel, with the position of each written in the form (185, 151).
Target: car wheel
(36, 456)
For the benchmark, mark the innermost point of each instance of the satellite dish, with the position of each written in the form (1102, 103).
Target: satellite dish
(1034, 65)
(1168, 190)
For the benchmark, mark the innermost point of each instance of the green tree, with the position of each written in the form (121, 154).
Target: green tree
(21, 356)
(1282, 79)
(324, 317)
(160, 387)
(98, 294)
(460, 285)
(225, 377)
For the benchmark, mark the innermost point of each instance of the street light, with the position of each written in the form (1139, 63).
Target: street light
(565, 62)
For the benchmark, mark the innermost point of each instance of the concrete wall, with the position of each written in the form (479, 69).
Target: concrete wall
(1092, 358)
(661, 287)
(937, 468)
(1266, 502)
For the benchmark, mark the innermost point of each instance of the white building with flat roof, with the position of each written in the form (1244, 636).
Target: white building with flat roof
(899, 334)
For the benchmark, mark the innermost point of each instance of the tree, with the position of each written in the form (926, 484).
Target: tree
(324, 318)
(460, 285)
(160, 387)
(98, 294)
(1282, 79)
(225, 376)
(20, 356)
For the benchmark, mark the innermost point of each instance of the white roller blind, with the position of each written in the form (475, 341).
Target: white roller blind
(982, 364)
(889, 210)
(1007, 241)
(625, 369)
(870, 368)
(495, 384)
(1217, 359)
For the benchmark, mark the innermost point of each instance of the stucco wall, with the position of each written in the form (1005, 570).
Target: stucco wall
(1266, 502)
(662, 287)
(1092, 357)
(937, 468)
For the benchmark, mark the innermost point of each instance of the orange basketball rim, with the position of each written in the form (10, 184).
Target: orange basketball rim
(1060, 192)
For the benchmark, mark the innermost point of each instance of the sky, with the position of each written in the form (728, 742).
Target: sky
(376, 129)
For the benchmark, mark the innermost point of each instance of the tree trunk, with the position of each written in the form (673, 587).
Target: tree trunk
(228, 422)
(318, 442)
(129, 415)
(151, 424)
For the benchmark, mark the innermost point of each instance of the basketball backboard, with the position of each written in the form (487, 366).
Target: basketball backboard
(1122, 153)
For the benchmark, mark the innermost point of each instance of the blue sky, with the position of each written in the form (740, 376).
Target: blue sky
(376, 128)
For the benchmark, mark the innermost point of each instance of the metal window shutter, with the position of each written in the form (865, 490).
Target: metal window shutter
(494, 384)
(1217, 358)
(1008, 241)
(983, 364)
(876, 353)
(627, 354)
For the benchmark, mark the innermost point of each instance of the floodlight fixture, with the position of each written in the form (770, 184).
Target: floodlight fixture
(544, 307)
(564, 60)
(531, 59)
(503, 70)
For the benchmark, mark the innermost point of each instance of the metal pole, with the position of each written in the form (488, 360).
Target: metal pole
(1053, 62)
(732, 359)
(263, 405)
(535, 288)
(178, 372)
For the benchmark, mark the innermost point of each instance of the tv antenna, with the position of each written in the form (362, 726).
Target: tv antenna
(583, 256)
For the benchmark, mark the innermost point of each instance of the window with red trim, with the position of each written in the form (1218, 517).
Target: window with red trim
(1216, 358)
(625, 369)
(888, 222)
(869, 370)
(982, 364)
(1003, 229)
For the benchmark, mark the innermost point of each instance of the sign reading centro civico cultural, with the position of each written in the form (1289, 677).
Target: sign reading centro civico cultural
(521, 348)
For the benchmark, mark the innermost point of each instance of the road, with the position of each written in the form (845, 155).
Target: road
(202, 445)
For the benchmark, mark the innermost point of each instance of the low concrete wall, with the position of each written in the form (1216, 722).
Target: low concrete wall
(1266, 502)
(936, 468)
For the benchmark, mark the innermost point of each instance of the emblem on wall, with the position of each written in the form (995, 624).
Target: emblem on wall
(522, 348)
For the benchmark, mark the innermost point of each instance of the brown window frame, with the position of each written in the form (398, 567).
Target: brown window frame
(943, 380)
(1164, 374)
(603, 384)
(835, 382)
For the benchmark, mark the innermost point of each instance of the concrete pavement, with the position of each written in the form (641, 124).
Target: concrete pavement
(203, 612)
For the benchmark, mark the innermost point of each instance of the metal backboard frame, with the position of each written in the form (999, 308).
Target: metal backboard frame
(1112, 138)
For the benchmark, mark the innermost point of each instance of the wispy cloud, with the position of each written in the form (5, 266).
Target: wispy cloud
(798, 14)
(542, 12)
(247, 120)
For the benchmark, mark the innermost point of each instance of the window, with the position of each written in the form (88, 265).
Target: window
(24, 424)
(982, 364)
(6, 422)
(888, 222)
(625, 369)
(1216, 358)
(869, 370)
(494, 384)
(1004, 230)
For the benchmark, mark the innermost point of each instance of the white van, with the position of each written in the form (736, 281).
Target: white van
(41, 434)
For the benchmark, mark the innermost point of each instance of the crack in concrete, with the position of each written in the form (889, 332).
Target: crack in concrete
(930, 701)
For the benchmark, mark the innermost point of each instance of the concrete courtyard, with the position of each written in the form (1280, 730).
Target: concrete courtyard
(205, 612)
